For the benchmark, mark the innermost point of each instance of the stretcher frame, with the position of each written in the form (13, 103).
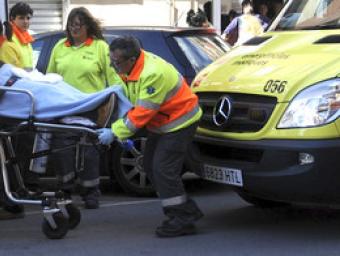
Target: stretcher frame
(59, 213)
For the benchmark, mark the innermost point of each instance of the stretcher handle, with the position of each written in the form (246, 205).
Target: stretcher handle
(23, 91)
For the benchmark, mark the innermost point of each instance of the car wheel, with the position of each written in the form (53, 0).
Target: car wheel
(129, 170)
(260, 202)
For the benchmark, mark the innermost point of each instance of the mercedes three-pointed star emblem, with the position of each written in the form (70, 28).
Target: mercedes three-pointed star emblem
(222, 111)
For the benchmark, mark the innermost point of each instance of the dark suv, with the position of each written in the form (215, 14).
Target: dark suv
(188, 49)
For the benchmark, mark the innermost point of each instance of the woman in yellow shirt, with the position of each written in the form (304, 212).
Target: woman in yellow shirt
(9, 51)
(82, 59)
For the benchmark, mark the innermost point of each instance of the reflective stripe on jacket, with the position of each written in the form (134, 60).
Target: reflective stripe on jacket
(163, 102)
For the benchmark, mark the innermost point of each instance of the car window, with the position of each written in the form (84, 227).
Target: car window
(109, 37)
(42, 48)
(201, 50)
(37, 48)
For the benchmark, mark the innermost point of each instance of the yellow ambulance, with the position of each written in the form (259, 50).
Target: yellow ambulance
(270, 125)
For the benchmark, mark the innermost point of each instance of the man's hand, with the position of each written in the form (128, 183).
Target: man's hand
(105, 136)
(127, 145)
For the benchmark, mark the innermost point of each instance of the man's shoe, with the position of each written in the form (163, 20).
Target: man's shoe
(173, 228)
(91, 199)
(66, 194)
(105, 111)
(91, 203)
(14, 208)
(12, 212)
(188, 212)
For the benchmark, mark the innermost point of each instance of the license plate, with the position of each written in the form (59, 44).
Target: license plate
(223, 175)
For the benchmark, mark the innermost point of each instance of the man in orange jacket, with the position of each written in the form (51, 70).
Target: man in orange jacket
(167, 108)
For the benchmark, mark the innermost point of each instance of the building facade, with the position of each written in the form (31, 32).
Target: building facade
(51, 14)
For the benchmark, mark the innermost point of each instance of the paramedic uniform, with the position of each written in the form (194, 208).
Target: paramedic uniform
(166, 106)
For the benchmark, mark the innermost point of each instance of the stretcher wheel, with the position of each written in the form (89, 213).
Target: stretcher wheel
(60, 231)
(74, 216)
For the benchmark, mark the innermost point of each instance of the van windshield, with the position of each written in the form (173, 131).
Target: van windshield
(308, 15)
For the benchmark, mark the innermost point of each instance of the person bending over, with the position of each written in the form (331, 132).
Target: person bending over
(166, 106)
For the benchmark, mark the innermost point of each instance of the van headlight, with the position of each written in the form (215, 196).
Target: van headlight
(317, 105)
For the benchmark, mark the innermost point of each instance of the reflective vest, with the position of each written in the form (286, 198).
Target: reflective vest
(163, 102)
(86, 67)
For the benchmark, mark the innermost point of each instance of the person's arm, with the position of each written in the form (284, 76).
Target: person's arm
(231, 27)
(52, 68)
(144, 110)
(230, 34)
(10, 55)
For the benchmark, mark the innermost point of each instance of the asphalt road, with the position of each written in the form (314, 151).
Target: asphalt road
(125, 226)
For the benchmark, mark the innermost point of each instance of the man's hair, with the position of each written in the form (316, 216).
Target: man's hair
(246, 2)
(196, 19)
(129, 45)
(85, 18)
(20, 8)
(190, 15)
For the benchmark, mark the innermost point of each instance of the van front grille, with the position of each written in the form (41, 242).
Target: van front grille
(222, 153)
(249, 113)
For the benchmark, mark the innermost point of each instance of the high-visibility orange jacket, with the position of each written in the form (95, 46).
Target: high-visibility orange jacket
(163, 102)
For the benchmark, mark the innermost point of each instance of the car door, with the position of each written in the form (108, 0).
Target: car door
(42, 48)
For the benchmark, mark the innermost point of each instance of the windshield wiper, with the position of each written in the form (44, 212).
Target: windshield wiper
(279, 28)
(318, 27)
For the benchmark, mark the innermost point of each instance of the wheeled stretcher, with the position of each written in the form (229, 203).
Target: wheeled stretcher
(59, 213)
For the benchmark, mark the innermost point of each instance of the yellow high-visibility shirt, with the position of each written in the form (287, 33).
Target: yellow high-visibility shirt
(86, 67)
(10, 54)
(26, 52)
